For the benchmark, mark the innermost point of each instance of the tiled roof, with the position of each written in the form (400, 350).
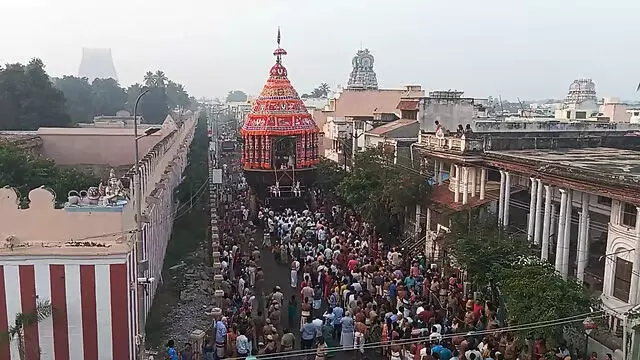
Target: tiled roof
(408, 105)
(394, 125)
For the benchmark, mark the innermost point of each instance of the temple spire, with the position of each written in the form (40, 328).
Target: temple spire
(279, 51)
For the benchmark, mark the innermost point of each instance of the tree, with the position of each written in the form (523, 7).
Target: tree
(149, 79)
(380, 191)
(132, 94)
(480, 247)
(177, 96)
(28, 99)
(108, 97)
(43, 310)
(535, 292)
(78, 94)
(329, 175)
(236, 96)
(25, 172)
(319, 92)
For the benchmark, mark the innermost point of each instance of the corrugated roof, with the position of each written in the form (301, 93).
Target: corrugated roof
(394, 125)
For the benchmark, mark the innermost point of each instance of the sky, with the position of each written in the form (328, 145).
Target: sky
(531, 49)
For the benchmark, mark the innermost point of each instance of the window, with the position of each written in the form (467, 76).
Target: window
(581, 114)
(603, 200)
(622, 279)
(568, 114)
(629, 214)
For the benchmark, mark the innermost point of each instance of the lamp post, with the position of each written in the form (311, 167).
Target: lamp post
(138, 205)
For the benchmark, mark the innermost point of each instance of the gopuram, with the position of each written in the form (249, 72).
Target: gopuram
(280, 140)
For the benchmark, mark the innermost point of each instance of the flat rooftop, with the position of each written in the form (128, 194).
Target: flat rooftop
(600, 162)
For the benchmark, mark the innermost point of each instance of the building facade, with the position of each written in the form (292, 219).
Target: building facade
(84, 261)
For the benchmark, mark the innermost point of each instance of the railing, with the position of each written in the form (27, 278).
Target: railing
(449, 143)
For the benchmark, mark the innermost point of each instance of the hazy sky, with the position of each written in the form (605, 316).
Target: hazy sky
(515, 48)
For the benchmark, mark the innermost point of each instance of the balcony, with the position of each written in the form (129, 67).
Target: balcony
(451, 144)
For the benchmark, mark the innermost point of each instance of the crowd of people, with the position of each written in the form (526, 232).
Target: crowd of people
(350, 293)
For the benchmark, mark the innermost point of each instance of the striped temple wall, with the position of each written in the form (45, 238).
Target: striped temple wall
(92, 307)
(94, 298)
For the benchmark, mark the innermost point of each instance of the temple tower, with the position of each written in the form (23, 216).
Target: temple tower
(97, 64)
(362, 76)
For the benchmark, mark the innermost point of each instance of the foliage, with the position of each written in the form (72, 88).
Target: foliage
(25, 171)
(380, 191)
(532, 290)
(15, 332)
(236, 96)
(177, 96)
(321, 91)
(329, 175)
(79, 97)
(536, 292)
(108, 97)
(479, 246)
(28, 99)
(155, 105)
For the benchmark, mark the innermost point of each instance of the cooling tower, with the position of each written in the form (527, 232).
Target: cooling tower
(97, 64)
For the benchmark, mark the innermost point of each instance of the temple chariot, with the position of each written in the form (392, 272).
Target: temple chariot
(280, 140)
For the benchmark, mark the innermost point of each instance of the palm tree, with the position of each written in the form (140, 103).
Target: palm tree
(149, 79)
(24, 320)
(324, 87)
(161, 78)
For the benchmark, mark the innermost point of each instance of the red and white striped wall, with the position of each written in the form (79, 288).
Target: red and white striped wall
(93, 307)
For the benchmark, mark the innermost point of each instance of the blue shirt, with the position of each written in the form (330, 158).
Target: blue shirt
(347, 324)
(338, 312)
(308, 331)
(221, 332)
(242, 344)
(445, 354)
(173, 354)
(392, 290)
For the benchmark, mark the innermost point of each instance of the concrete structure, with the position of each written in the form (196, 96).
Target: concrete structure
(574, 186)
(449, 108)
(108, 145)
(361, 111)
(97, 64)
(83, 258)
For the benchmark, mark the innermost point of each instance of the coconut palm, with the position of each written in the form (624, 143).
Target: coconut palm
(24, 320)
(161, 78)
(149, 79)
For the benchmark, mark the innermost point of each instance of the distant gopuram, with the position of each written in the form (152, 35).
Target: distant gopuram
(97, 64)
(362, 76)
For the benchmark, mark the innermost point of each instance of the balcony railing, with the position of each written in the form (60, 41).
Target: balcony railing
(451, 144)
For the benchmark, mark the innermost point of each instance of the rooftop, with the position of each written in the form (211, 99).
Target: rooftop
(617, 164)
(391, 126)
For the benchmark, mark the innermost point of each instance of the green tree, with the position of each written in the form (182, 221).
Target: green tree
(132, 94)
(108, 97)
(155, 105)
(236, 96)
(380, 190)
(483, 249)
(328, 176)
(78, 94)
(42, 311)
(177, 96)
(28, 99)
(535, 292)
(24, 171)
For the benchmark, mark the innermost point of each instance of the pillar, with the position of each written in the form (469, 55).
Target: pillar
(633, 291)
(456, 190)
(418, 218)
(561, 223)
(501, 198)
(507, 197)
(582, 238)
(428, 241)
(532, 209)
(538, 222)
(435, 169)
(544, 253)
(474, 182)
(440, 172)
(567, 236)
(465, 185)
(483, 183)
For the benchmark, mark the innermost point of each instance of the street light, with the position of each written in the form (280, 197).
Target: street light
(138, 205)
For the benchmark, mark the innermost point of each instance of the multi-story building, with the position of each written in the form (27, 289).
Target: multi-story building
(85, 258)
(574, 188)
